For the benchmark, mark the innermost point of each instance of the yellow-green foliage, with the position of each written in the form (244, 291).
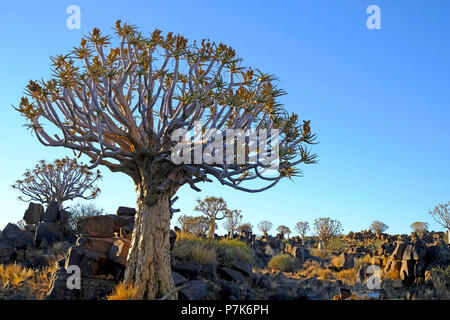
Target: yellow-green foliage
(337, 245)
(123, 292)
(34, 283)
(283, 262)
(207, 251)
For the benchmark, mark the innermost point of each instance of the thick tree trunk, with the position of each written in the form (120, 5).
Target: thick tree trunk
(148, 265)
(212, 227)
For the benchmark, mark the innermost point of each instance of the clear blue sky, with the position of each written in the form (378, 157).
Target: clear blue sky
(378, 99)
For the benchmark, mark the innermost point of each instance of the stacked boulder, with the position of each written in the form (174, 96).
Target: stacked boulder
(100, 253)
(411, 259)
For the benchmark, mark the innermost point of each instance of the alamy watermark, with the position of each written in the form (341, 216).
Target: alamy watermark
(232, 146)
(74, 20)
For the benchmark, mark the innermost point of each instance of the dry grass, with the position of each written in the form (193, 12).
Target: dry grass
(392, 275)
(347, 276)
(33, 283)
(324, 254)
(123, 292)
(312, 268)
(206, 251)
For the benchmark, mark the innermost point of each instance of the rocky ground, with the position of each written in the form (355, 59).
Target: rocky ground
(35, 263)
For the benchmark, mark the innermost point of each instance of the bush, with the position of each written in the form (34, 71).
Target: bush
(284, 263)
(347, 276)
(123, 292)
(188, 247)
(336, 245)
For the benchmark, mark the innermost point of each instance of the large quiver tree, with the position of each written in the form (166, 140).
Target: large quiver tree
(119, 102)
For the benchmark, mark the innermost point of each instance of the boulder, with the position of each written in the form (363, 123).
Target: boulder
(178, 278)
(44, 260)
(242, 266)
(343, 261)
(102, 245)
(6, 253)
(194, 290)
(91, 262)
(413, 252)
(188, 269)
(90, 289)
(231, 275)
(52, 232)
(119, 251)
(14, 237)
(229, 290)
(34, 213)
(295, 251)
(52, 212)
(126, 211)
(397, 254)
(173, 238)
(419, 269)
(103, 226)
(407, 270)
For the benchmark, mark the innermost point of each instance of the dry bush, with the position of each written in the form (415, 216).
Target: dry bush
(358, 262)
(392, 275)
(324, 254)
(32, 283)
(123, 292)
(284, 263)
(312, 268)
(347, 276)
(206, 251)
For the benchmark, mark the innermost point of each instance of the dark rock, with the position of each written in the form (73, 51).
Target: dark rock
(52, 213)
(188, 269)
(34, 213)
(407, 270)
(14, 237)
(126, 232)
(119, 251)
(91, 262)
(103, 226)
(43, 261)
(209, 271)
(419, 269)
(243, 267)
(229, 289)
(194, 290)
(126, 211)
(90, 289)
(52, 232)
(173, 238)
(231, 275)
(178, 278)
(344, 261)
(6, 253)
(399, 250)
(98, 244)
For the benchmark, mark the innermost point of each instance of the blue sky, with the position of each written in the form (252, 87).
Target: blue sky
(378, 99)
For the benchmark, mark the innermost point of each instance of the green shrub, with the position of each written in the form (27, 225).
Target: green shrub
(284, 263)
(336, 245)
(206, 251)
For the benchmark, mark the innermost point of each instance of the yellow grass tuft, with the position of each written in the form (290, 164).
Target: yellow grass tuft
(123, 292)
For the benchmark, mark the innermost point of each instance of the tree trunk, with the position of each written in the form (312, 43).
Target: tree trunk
(212, 227)
(148, 265)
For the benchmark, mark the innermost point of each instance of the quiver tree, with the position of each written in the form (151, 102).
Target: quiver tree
(195, 225)
(264, 227)
(233, 220)
(214, 209)
(441, 214)
(120, 101)
(378, 227)
(327, 228)
(283, 230)
(420, 228)
(245, 227)
(302, 227)
(59, 181)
